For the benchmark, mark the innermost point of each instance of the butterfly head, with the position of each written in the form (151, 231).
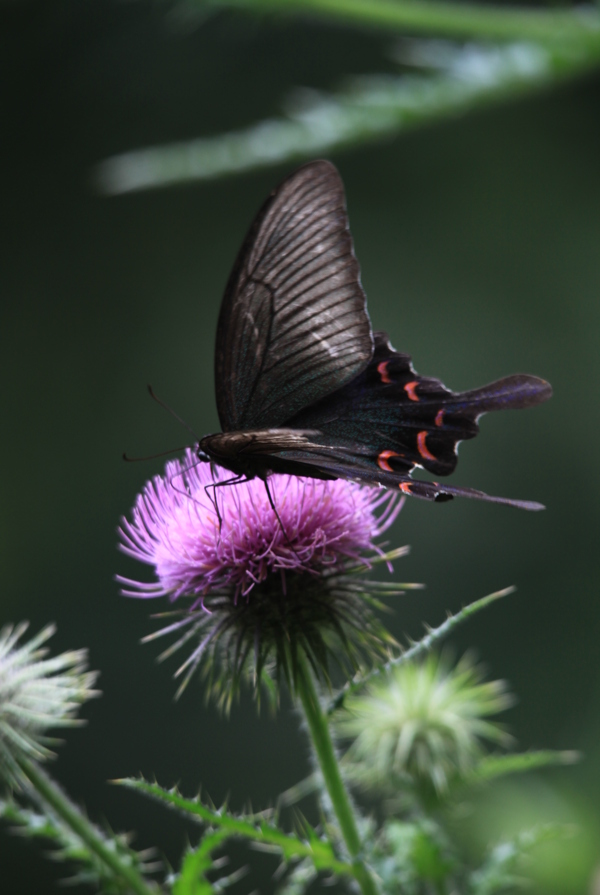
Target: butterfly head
(227, 450)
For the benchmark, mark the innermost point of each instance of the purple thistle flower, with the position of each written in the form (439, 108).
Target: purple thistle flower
(259, 583)
(175, 528)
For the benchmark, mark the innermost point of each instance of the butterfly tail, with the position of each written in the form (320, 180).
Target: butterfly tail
(440, 493)
(511, 393)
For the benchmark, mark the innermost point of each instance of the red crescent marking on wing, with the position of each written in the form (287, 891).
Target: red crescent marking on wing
(405, 486)
(383, 372)
(409, 388)
(426, 454)
(382, 459)
(439, 417)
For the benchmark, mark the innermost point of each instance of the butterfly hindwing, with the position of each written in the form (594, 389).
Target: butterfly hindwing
(403, 420)
(392, 412)
(389, 420)
(293, 325)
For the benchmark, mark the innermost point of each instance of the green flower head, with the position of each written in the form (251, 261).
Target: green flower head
(37, 693)
(427, 722)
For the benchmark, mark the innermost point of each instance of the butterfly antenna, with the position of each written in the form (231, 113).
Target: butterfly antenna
(180, 475)
(170, 410)
(152, 456)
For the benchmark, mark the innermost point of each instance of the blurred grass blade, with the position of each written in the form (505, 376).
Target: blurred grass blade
(370, 108)
(492, 21)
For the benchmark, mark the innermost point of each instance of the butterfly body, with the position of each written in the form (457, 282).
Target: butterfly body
(260, 452)
(305, 387)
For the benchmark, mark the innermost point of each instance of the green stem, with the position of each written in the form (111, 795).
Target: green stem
(424, 645)
(323, 745)
(452, 19)
(52, 795)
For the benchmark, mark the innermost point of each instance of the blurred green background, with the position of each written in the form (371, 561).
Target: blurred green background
(479, 243)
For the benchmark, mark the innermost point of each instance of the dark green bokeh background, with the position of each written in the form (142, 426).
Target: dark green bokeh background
(479, 245)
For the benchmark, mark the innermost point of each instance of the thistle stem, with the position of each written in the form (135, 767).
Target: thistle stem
(51, 794)
(323, 745)
(498, 21)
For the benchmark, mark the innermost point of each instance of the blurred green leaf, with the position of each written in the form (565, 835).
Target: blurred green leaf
(504, 865)
(411, 854)
(196, 864)
(68, 847)
(251, 827)
(493, 766)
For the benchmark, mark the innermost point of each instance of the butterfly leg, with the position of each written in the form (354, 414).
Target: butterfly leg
(235, 480)
(274, 508)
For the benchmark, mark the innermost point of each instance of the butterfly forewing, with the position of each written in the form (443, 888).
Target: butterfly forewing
(293, 326)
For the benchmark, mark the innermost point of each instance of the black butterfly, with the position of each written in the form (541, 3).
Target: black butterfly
(305, 387)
